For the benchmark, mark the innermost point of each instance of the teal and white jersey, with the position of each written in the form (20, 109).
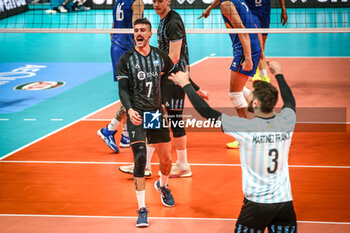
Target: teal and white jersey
(264, 148)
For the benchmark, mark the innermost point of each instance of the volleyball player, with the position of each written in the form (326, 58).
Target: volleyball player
(172, 39)
(261, 10)
(246, 52)
(264, 147)
(139, 75)
(125, 12)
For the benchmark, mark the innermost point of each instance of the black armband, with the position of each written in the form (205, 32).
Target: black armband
(199, 104)
(124, 93)
(286, 92)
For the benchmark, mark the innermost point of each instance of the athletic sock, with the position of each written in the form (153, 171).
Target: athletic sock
(140, 195)
(182, 157)
(163, 180)
(113, 125)
(125, 130)
(150, 151)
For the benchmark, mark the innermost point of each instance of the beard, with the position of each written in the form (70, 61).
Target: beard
(250, 107)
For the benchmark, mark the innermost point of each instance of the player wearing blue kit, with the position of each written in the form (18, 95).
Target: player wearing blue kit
(264, 148)
(261, 10)
(125, 12)
(246, 51)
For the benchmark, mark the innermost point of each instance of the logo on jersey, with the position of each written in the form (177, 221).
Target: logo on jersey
(137, 66)
(156, 63)
(151, 120)
(234, 64)
(141, 75)
(39, 86)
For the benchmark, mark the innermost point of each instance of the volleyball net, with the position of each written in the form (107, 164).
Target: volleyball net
(317, 16)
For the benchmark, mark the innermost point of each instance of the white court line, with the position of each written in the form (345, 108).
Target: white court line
(81, 119)
(49, 134)
(56, 119)
(96, 119)
(192, 164)
(199, 61)
(160, 218)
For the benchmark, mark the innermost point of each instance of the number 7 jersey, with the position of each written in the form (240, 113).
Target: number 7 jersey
(144, 77)
(264, 149)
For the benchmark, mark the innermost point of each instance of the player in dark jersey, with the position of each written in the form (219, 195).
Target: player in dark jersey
(172, 39)
(139, 75)
(246, 52)
(125, 12)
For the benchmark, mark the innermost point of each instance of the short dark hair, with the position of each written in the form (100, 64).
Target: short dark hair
(143, 21)
(267, 94)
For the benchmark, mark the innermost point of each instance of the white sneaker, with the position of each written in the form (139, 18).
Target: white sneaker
(178, 171)
(130, 170)
(50, 11)
(81, 7)
(62, 9)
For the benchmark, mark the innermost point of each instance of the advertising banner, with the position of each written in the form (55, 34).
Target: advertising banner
(12, 7)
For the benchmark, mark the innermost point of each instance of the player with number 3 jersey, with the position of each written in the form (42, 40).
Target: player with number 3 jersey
(264, 150)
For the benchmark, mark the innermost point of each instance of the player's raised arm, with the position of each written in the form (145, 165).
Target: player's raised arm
(286, 92)
(183, 80)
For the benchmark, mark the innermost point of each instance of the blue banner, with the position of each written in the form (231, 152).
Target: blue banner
(23, 85)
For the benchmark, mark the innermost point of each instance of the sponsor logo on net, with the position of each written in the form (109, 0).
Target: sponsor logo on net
(153, 120)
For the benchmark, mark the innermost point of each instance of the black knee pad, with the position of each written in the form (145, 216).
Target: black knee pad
(175, 117)
(139, 150)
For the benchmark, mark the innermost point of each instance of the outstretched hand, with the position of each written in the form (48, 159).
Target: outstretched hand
(204, 94)
(181, 78)
(275, 67)
(205, 14)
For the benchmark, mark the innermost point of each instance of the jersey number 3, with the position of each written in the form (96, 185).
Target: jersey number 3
(274, 154)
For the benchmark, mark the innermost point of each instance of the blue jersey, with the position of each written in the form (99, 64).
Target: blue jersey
(259, 6)
(122, 18)
(248, 22)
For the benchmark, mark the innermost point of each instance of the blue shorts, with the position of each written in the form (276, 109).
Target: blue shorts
(261, 20)
(238, 59)
(116, 53)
